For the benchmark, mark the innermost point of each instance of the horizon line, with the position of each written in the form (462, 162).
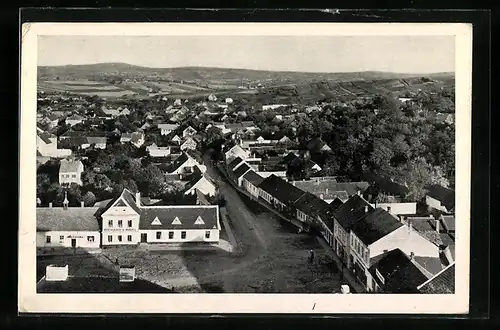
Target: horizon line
(233, 68)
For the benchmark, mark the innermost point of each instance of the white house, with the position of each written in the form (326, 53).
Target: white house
(155, 151)
(377, 233)
(46, 145)
(251, 182)
(67, 227)
(229, 100)
(398, 208)
(205, 186)
(176, 139)
(235, 152)
(70, 171)
(74, 120)
(188, 131)
(166, 129)
(178, 102)
(127, 222)
(212, 98)
(189, 144)
(440, 198)
(185, 164)
(136, 138)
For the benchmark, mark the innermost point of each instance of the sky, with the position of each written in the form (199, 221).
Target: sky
(403, 54)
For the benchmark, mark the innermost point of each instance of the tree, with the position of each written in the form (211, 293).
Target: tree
(74, 194)
(382, 154)
(89, 198)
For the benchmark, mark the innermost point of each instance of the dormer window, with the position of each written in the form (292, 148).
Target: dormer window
(156, 221)
(199, 221)
(176, 221)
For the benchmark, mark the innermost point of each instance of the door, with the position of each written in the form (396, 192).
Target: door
(73, 242)
(144, 238)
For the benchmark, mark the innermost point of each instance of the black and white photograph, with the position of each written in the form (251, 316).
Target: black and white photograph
(246, 160)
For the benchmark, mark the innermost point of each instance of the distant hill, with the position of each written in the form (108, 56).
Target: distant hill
(209, 75)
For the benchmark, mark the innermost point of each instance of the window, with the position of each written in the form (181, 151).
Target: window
(119, 238)
(90, 238)
(73, 176)
(47, 239)
(158, 234)
(110, 238)
(110, 223)
(183, 234)
(130, 223)
(61, 238)
(120, 223)
(129, 238)
(207, 234)
(170, 235)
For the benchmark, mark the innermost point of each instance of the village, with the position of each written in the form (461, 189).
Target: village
(216, 194)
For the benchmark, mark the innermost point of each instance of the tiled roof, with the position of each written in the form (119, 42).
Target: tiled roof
(281, 190)
(399, 273)
(187, 215)
(71, 219)
(431, 264)
(448, 222)
(46, 136)
(253, 178)
(385, 185)
(444, 195)
(69, 166)
(241, 170)
(234, 163)
(441, 283)
(375, 225)
(129, 199)
(178, 162)
(310, 204)
(351, 211)
(327, 187)
(336, 203)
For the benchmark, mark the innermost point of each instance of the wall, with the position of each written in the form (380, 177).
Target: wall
(281, 174)
(407, 241)
(434, 203)
(193, 235)
(182, 169)
(81, 239)
(120, 213)
(64, 179)
(254, 191)
(159, 152)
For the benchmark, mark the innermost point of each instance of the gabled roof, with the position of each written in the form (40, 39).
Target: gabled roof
(241, 170)
(444, 195)
(253, 178)
(351, 211)
(442, 283)
(311, 205)
(69, 166)
(46, 136)
(375, 225)
(399, 273)
(235, 162)
(383, 184)
(187, 216)
(336, 203)
(126, 196)
(326, 187)
(281, 190)
(71, 219)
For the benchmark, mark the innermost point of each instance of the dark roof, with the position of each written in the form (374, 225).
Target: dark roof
(336, 203)
(444, 195)
(178, 162)
(187, 216)
(99, 284)
(289, 158)
(327, 187)
(128, 197)
(281, 190)
(253, 178)
(375, 225)
(441, 283)
(432, 264)
(241, 170)
(351, 211)
(399, 273)
(71, 219)
(385, 185)
(448, 222)
(46, 136)
(234, 163)
(311, 205)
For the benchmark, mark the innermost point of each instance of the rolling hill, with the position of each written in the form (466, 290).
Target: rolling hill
(207, 74)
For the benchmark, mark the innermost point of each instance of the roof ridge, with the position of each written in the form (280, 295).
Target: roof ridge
(439, 273)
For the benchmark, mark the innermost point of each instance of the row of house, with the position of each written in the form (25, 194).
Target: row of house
(383, 251)
(125, 221)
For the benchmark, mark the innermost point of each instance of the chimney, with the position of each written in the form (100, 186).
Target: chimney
(50, 204)
(359, 192)
(438, 227)
(412, 255)
(388, 209)
(366, 208)
(321, 196)
(326, 191)
(317, 179)
(65, 202)
(82, 204)
(138, 199)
